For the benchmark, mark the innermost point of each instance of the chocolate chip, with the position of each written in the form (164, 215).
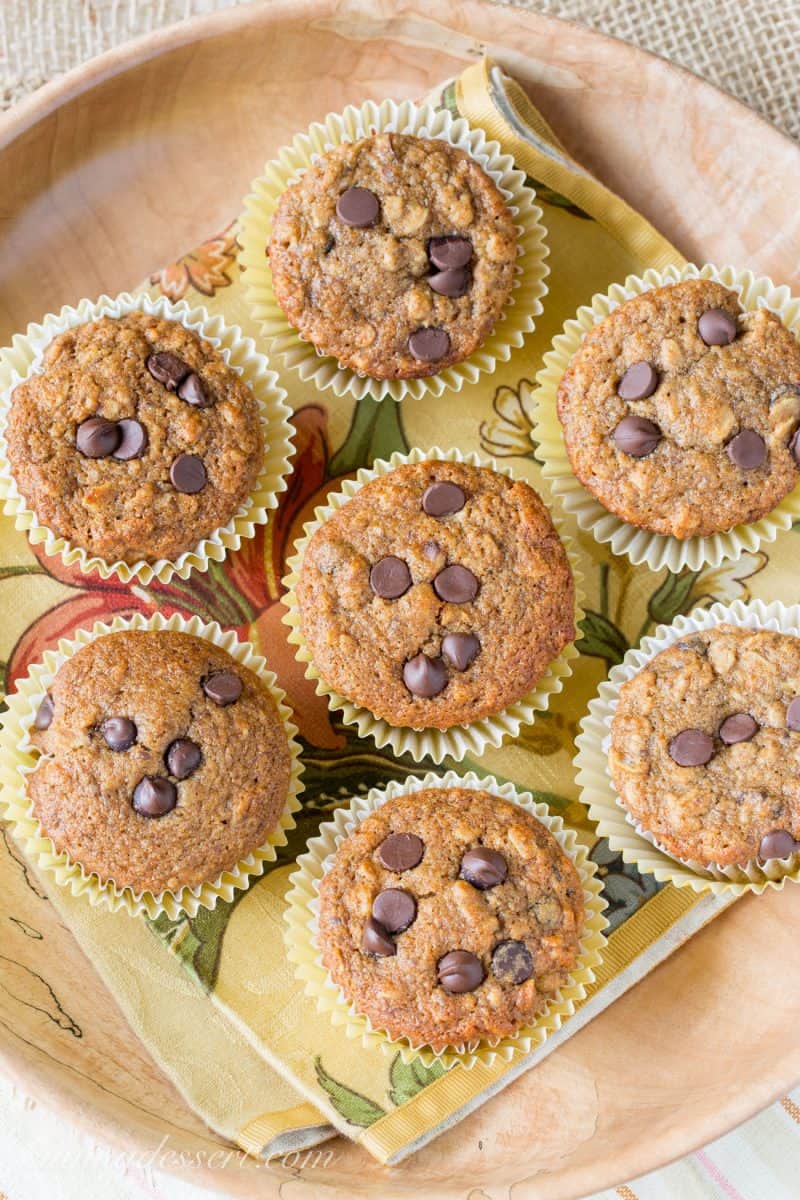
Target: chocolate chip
(460, 971)
(483, 868)
(456, 585)
(376, 939)
(425, 677)
(183, 757)
(97, 438)
(224, 688)
(794, 446)
(739, 727)
(779, 843)
(691, 748)
(639, 381)
(449, 253)
(132, 440)
(394, 909)
(193, 391)
(119, 733)
(431, 550)
(460, 649)
(44, 713)
(717, 327)
(512, 962)
(443, 499)
(793, 715)
(188, 474)
(358, 207)
(390, 578)
(636, 436)
(453, 282)
(167, 368)
(429, 345)
(154, 796)
(747, 450)
(401, 851)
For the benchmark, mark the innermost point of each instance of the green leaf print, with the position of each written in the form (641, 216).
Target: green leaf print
(407, 1079)
(355, 1108)
(671, 597)
(602, 638)
(197, 941)
(376, 431)
(546, 195)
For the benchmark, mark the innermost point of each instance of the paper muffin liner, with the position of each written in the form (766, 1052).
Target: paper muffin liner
(657, 550)
(302, 932)
(18, 758)
(624, 832)
(23, 358)
(437, 744)
(299, 354)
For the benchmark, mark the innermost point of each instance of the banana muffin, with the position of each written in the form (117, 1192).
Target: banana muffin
(394, 254)
(681, 410)
(450, 915)
(705, 746)
(438, 595)
(164, 760)
(135, 440)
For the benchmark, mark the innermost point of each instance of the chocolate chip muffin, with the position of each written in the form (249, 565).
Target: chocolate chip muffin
(450, 915)
(136, 440)
(394, 254)
(164, 760)
(681, 411)
(438, 595)
(705, 746)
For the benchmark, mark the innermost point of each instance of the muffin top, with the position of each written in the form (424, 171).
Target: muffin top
(136, 440)
(681, 411)
(705, 746)
(394, 254)
(437, 595)
(164, 761)
(450, 915)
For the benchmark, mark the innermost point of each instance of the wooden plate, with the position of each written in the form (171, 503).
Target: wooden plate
(109, 172)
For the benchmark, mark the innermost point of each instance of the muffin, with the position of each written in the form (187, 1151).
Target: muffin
(680, 410)
(437, 595)
(705, 746)
(135, 440)
(393, 254)
(450, 915)
(164, 760)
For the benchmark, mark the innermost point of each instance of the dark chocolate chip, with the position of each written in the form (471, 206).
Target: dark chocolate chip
(225, 687)
(429, 345)
(512, 962)
(449, 253)
(483, 868)
(636, 436)
(154, 796)
(793, 715)
(460, 971)
(431, 550)
(394, 909)
(167, 368)
(425, 677)
(97, 438)
(443, 499)
(794, 446)
(188, 474)
(691, 748)
(460, 649)
(183, 757)
(119, 733)
(193, 391)
(376, 940)
(456, 585)
(639, 381)
(44, 713)
(358, 207)
(779, 843)
(739, 727)
(132, 440)
(747, 450)
(717, 327)
(454, 282)
(401, 851)
(390, 578)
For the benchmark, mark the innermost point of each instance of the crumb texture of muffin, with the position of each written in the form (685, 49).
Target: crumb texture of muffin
(393, 254)
(449, 916)
(705, 746)
(681, 411)
(437, 595)
(136, 440)
(164, 761)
